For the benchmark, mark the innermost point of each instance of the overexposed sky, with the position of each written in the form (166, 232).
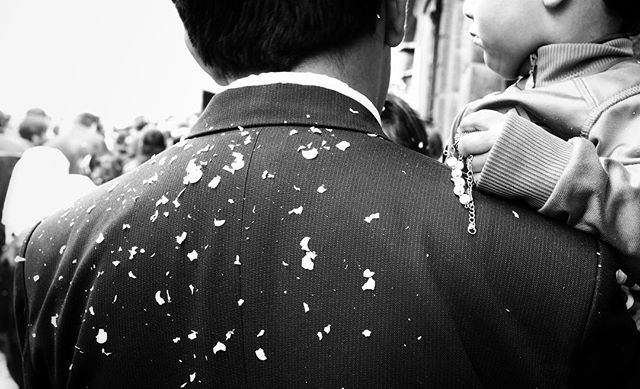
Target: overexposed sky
(116, 58)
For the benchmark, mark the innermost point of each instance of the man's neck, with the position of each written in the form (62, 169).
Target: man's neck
(360, 67)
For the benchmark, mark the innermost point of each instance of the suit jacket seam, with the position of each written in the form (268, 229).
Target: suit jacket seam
(244, 203)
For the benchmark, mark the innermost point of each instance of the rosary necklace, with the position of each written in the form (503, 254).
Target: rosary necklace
(462, 178)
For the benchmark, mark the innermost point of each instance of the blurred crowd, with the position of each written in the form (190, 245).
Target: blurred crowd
(92, 150)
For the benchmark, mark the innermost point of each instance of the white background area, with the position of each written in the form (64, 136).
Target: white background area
(118, 59)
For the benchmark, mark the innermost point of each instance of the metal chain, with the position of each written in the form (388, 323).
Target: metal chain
(471, 228)
(462, 178)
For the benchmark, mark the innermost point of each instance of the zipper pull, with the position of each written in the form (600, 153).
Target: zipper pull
(531, 81)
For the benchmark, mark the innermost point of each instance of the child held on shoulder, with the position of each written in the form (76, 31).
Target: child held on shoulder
(565, 137)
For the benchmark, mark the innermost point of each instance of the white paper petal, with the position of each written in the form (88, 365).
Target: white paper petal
(159, 298)
(215, 182)
(369, 285)
(368, 273)
(101, 337)
(310, 153)
(372, 217)
(304, 243)
(194, 173)
(261, 355)
(297, 211)
(219, 347)
(307, 260)
(343, 145)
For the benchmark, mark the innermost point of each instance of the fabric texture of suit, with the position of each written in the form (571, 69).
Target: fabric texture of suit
(287, 243)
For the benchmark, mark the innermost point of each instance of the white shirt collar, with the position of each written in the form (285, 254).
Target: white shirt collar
(310, 79)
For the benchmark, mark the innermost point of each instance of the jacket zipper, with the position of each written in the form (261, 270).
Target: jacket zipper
(533, 69)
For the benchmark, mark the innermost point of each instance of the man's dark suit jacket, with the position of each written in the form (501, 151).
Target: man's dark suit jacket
(286, 243)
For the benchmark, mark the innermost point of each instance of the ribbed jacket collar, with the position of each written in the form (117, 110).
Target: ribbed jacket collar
(564, 61)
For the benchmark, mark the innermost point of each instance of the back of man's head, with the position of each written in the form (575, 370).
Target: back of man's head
(240, 37)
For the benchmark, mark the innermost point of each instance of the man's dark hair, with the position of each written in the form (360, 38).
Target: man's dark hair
(629, 13)
(238, 37)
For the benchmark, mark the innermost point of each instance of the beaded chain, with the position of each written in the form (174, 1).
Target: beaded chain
(462, 178)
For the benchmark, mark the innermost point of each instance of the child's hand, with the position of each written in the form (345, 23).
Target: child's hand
(479, 132)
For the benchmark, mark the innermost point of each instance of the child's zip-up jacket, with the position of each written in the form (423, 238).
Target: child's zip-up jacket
(571, 143)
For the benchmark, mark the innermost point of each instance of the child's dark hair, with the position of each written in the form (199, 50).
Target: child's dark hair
(628, 11)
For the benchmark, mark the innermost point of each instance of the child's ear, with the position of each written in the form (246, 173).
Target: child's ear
(552, 4)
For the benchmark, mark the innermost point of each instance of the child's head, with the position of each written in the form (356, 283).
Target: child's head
(509, 30)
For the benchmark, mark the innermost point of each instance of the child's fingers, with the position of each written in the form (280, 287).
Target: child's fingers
(482, 120)
(476, 143)
(478, 161)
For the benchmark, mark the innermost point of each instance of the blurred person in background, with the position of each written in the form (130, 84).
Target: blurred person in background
(33, 129)
(85, 138)
(151, 142)
(46, 178)
(11, 149)
(104, 168)
(402, 125)
(120, 147)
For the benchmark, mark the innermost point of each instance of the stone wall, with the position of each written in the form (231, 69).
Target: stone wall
(448, 69)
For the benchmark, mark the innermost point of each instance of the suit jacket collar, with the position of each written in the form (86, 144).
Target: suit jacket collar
(307, 78)
(284, 105)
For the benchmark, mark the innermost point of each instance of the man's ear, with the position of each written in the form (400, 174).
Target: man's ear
(553, 4)
(396, 15)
